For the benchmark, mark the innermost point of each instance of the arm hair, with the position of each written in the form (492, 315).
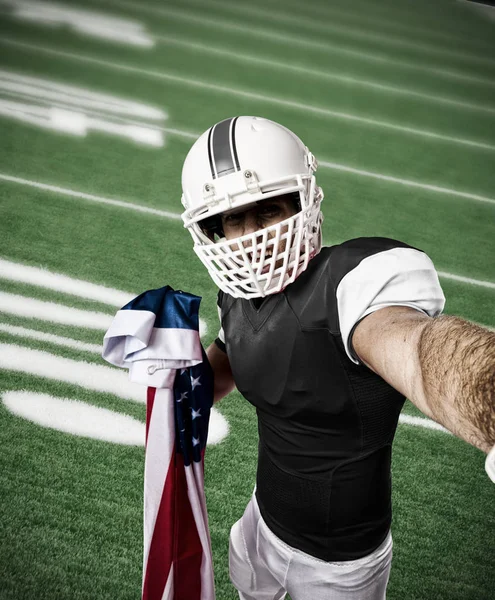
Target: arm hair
(457, 361)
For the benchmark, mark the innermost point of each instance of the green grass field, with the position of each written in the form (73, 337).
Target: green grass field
(397, 102)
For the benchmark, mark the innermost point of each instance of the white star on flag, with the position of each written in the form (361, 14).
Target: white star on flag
(182, 396)
(195, 382)
(182, 371)
(195, 441)
(195, 413)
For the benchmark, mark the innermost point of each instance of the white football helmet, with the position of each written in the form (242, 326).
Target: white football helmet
(237, 163)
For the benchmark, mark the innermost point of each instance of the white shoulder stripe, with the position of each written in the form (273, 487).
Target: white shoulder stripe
(396, 277)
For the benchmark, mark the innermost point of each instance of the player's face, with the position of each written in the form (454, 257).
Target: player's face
(263, 214)
(237, 223)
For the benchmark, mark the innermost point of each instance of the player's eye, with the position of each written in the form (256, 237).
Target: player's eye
(269, 211)
(232, 219)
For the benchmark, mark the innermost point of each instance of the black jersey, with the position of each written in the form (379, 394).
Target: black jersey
(326, 423)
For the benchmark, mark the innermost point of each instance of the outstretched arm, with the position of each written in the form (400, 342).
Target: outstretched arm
(444, 365)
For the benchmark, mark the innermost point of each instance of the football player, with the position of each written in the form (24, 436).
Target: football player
(326, 343)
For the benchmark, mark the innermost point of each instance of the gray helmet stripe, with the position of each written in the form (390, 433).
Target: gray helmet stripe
(223, 148)
(232, 143)
(209, 151)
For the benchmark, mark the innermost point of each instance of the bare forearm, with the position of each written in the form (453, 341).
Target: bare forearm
(457, 361)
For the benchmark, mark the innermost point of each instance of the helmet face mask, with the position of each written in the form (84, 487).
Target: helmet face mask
(215, 229)
(267, 161)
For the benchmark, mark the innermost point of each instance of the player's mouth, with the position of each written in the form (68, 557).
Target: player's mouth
(267, 266)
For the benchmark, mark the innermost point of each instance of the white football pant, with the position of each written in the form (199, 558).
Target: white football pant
(263, 567)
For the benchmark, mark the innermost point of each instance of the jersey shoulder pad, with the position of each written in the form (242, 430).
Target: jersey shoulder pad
(345, 257)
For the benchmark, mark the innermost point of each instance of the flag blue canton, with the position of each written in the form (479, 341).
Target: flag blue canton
(193, 393)
(174, 309)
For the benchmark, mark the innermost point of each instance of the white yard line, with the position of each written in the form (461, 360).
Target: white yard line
(88, 375)
(29, 307)
(115, 118)
(13, 271)
(9, 270)
(52, 312)
(251, 59)
(82, 195)
(486, 10)
(21, 306)
(324, 164)
(108, 380)
(75, 417)
(58, 340)
(84, 22)
(291, 40)
(185, 134)
(487, 284)
(329, 11)
(406, 182)
(422, 422)
(47, 91)
(327, 27)
(296, 105)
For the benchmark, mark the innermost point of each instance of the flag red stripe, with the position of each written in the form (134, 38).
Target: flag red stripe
(188, 552)
(150, 400)
(161, 548)
(175, 542)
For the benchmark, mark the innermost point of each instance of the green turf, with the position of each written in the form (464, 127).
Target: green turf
(71, 508)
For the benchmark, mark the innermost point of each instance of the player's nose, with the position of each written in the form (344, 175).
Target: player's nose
(250, 223)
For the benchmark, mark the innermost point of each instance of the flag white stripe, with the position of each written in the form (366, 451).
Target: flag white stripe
(159, 449)
(195, 484)
(199, 478)
(168, 592)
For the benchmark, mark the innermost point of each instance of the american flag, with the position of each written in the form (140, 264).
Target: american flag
(177, 553)
(156, 336)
